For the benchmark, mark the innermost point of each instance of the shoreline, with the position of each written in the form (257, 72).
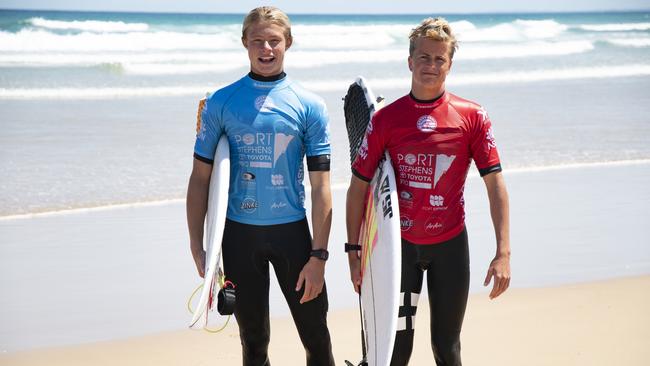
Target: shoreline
(569, 325)
(334, 186)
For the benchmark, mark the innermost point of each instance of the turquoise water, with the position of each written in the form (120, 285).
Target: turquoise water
(99, 108)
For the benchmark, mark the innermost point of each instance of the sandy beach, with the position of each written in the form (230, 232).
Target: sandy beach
(600, 323)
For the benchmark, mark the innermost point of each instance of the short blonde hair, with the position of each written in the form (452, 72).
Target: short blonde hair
(269, 14)
(437, 29)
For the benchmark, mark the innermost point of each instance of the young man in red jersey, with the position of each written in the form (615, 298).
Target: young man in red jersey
(432, 136)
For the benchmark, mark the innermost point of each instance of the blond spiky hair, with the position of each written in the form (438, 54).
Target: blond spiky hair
(269, 14)
(437, 29)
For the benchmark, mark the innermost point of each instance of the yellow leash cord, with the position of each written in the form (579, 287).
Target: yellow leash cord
(189, 306)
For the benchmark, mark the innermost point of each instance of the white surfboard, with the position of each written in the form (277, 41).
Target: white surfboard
(215, 221)
(380, 238)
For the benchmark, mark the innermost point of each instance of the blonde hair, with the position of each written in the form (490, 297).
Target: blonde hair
(269, 14)
(437, 29)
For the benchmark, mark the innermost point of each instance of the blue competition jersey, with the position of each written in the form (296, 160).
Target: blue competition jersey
(270, 127)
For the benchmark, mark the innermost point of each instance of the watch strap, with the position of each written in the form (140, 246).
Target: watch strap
(321, 254)
(350, 247)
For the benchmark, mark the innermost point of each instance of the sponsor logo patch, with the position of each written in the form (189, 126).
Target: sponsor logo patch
(249, 205)
(489, 137)
(278, 205)
(436, 201)
(483, 113)
(427, 123)
(200, 129)
(405, 223)
(277, 179)
(406, 195)
(264, 103)
(433, 226)
(363, 149)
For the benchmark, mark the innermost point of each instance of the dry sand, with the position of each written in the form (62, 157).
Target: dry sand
(600, 323)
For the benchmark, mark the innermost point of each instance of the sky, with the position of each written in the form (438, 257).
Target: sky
(332, 6)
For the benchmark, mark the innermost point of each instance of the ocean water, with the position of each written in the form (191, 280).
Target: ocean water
(99, 108)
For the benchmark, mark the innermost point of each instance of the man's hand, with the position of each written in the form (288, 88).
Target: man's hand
(313, 278)
(500, 271)
(355, 270)
(199, 260)
(500, 213)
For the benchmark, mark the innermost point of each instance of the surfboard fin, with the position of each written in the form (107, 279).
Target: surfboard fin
(380, 101)
(362, 363)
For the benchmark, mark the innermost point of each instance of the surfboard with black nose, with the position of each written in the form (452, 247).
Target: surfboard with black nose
(379, 237)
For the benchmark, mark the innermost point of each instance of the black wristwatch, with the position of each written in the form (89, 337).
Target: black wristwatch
(352, 247)
(321, 254)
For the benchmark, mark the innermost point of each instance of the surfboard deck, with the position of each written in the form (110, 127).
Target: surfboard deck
(379, 235)
(215, 222)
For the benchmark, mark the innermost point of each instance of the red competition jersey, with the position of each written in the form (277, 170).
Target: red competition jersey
(431, 146)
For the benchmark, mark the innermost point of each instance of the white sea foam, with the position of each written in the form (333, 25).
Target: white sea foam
(467, 52)
(103, 93)
(519, 30)
(519, 38)
(161, 63)
(119, 36)
(88, 25)
(349, 36)
(97, 36)
(503, 77)
(43, 59)
(182, 69)
(369, 36)
(631, 42)
(42, 41)
(615, 27)
(520, 50)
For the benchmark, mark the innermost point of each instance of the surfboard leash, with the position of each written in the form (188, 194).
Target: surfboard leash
(221, 280)
(364, 359)
(364, 350)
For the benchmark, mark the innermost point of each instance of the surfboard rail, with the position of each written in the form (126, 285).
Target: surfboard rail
(379, 235)
(215, 221)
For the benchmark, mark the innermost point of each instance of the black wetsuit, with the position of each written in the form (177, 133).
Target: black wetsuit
(247, 252)
(447, 270)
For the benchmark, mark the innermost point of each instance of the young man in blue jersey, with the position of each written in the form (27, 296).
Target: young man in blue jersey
(271, 123)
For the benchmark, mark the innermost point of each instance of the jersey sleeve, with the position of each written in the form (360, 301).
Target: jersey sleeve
(370, 152)
(317, 134)
(208, 131)
(483, 148)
